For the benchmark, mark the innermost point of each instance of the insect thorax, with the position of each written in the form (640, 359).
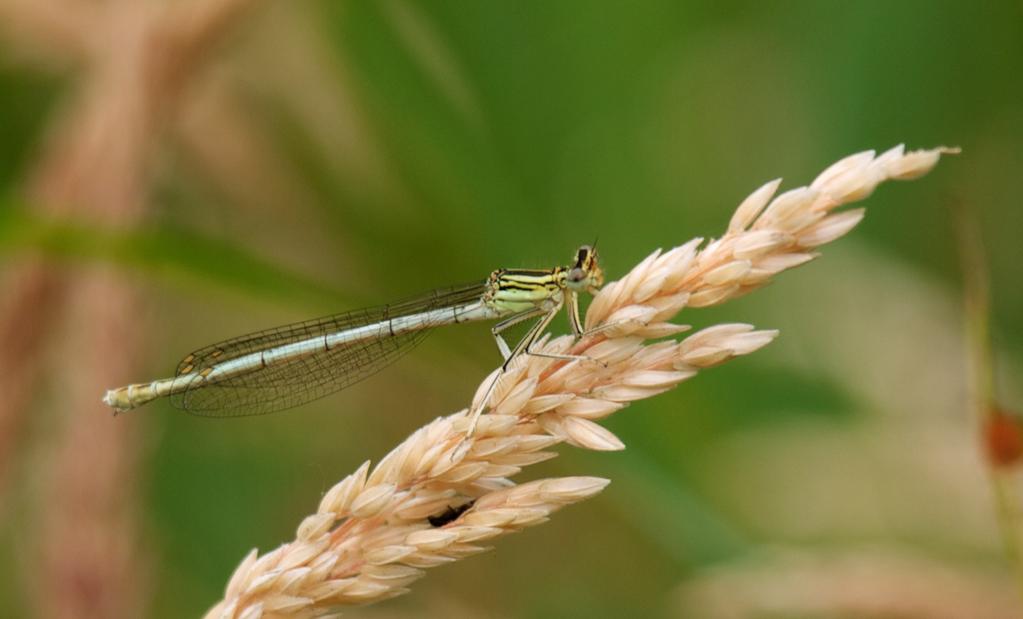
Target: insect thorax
(519, 290)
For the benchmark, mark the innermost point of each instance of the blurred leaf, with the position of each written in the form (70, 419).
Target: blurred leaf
(166, 253)
(673, 517)
(26, 100)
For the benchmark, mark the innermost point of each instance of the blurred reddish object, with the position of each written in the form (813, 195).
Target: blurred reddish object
(1003, 438)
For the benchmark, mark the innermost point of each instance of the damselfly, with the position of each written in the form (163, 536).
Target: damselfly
(280, 368)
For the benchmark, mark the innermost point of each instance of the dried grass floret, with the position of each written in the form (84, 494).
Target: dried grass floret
(371, 536)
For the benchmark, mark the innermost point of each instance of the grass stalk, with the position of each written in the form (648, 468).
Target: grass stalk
(371, 535)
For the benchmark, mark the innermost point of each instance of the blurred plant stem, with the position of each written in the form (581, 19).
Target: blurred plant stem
(158, 253)
(1000, 431)
(132, 63)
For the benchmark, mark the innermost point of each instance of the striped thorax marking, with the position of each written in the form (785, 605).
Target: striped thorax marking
(519, 290)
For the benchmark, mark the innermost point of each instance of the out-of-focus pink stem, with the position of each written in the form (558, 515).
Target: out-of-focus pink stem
(94, 165)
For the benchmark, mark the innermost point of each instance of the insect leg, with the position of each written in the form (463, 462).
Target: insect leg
(502, 344)
(523, 346)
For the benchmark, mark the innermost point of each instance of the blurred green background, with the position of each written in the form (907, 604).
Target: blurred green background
(321, 156)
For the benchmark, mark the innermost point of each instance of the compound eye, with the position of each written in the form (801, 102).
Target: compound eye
(582, 256)
(576, 275)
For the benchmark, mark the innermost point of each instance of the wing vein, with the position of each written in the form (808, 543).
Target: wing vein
(282, 385)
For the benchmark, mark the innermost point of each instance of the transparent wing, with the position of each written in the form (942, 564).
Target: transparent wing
(285, 385)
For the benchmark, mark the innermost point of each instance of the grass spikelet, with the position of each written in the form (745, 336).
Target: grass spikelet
(371, 537)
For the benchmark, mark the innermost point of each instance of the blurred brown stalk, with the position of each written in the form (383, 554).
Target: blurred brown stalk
(1001, 432)
(131, 63)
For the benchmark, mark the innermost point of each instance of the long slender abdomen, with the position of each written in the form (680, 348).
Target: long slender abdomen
(131, 396)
